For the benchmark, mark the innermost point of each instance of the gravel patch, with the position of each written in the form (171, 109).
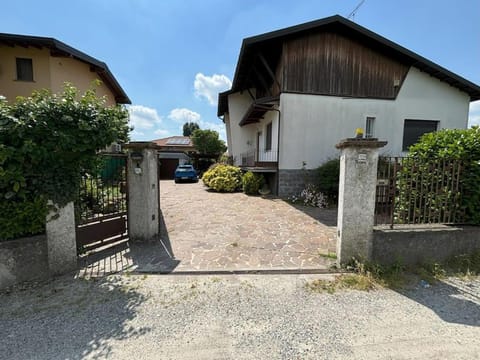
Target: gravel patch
(236, 317)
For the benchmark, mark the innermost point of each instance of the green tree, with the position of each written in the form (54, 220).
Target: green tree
(208, 143)
(189, 128)
(46, 140)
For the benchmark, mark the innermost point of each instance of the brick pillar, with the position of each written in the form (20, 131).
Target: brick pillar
(356, 198)
(143, 191)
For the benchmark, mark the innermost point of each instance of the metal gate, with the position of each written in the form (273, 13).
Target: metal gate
(418, 192)
(101, 208)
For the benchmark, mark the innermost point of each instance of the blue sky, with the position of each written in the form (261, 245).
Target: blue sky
(173, 56)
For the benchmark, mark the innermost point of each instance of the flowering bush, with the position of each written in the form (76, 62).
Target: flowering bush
(310, 196)
(252, 183)
(223, 178)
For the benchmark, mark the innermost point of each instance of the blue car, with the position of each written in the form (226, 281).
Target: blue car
(185, 173)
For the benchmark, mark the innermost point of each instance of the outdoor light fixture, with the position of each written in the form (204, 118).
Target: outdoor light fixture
(138, 158)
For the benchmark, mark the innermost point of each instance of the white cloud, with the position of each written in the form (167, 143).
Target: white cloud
(134, 134)
(143, 117)
(162, 132)
(208, 87)
(182, 115)
(474, 114)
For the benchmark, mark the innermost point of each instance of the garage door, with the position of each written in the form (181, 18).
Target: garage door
(167, 168)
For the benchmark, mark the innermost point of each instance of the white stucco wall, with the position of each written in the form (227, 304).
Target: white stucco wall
(226, 121)
(244, 139)
(311, 125)
(238, 104)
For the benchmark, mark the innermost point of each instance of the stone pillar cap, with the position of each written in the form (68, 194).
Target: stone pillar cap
(138, 145)
(360, 142)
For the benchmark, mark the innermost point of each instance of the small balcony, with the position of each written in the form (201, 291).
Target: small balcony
(259, 158)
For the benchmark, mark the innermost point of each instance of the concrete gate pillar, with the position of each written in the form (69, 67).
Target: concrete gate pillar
(356, 197)
(143, 191)
(61, 240)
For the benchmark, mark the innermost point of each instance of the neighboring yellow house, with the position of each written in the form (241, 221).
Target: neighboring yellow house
(29, 63)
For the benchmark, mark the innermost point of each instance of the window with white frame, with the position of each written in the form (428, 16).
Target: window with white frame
(370, 127)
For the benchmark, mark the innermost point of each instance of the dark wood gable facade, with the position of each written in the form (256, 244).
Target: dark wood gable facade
(327, 63)
(332, 64)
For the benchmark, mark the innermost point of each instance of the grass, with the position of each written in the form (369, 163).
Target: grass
(371, 276)
(342, 282)
(328, 255)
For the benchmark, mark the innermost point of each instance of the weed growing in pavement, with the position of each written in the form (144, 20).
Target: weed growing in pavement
(367, 276)
(342, 282)
(465, 265)
(328, 255)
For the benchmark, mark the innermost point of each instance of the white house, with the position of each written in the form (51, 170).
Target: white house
(297, 91)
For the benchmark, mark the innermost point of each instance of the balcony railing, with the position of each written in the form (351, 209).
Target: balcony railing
(259, 158)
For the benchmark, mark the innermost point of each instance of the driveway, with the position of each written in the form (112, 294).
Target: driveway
(204, 231)
(232, 231)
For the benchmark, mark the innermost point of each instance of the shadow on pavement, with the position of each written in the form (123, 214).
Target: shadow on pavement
(152, 256)
(327, 216)
(69, 319)
(451, 302)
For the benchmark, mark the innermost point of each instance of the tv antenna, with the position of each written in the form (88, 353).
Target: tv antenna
(354, 12)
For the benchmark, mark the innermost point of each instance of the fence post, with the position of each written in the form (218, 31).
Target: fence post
(143, 192)
(61, 240)
(356, 197)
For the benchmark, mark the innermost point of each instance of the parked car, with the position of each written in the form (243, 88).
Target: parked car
(185, 173)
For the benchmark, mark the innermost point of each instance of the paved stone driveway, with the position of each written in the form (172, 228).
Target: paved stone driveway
(222, 231)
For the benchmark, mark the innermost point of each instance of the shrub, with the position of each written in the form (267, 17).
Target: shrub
(327, 179)
(252, 183)
(448, 144)
(223, 178)
(46, 141)
(22, 218)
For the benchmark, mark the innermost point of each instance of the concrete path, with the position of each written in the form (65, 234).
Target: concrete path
(225, 231)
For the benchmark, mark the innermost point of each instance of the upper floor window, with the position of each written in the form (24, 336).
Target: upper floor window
(414, 129)
(369, 127)
(268, 137)
(24, 69)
